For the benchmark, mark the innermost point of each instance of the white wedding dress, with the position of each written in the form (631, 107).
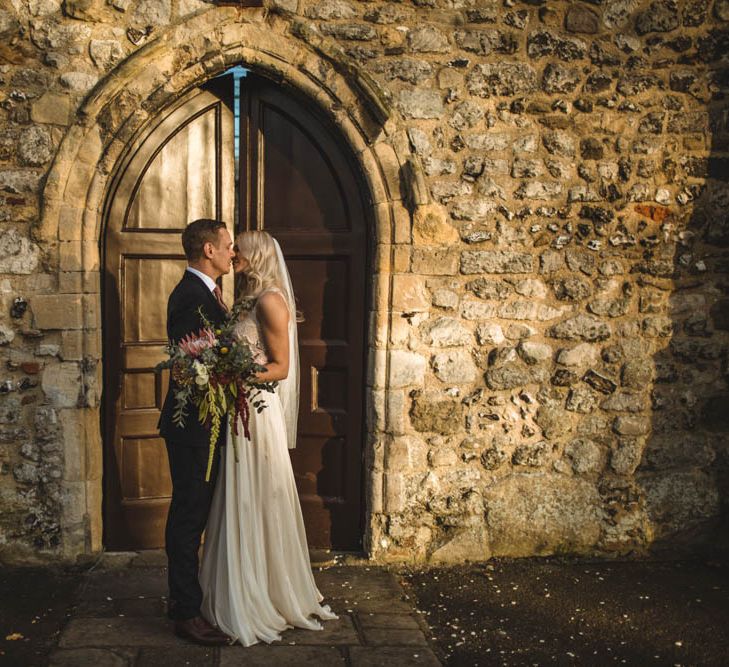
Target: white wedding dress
(255, 574)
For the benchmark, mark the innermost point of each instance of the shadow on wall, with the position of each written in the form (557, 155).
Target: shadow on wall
(679, 500)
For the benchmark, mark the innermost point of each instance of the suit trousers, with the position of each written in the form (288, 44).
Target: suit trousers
(188, 515)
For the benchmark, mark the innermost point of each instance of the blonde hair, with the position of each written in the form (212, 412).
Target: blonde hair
(262, 270)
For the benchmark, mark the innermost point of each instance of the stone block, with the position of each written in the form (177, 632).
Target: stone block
(91, 306)
(62, 384)
(427, 39)
(581, 19)
(394, 492)
(472, 309)
(94, 507)
(371, 621)
(434, 262)
(70, 282)
(581, 327)
(454, 367)
(495, 261)
(72, 345)
(446, 299)
(432, 413)
(73, 495)
(502, 78)
(70, 256)
(18, 255)
(35, 146)
(373, 491)
(529, 310)
(679, 501)
(431, 226)
(421, 103)
(584, 456)
(410, 451)
(52, 109)
(375, 405)
(74, 444)
(580, 356)
(468, 544)
(534, 353)
(58, 311)
(405, 369)
(445, 332)
(7, 335)
(631, 425)
(490, 333)
(542, 514)
(409, 294)
(395, 415)
(625, 458)
(402, 223)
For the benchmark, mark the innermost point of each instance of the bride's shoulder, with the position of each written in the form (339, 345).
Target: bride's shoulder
(271, 304)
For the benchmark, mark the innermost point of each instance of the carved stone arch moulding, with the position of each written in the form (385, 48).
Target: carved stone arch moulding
(118, 110)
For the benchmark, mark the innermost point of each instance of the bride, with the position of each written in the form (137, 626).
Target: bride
(255, 574)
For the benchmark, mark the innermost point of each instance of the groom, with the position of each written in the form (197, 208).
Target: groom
(209, 252)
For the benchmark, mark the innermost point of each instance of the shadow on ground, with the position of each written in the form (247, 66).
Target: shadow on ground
(567, 612)
(35, 604)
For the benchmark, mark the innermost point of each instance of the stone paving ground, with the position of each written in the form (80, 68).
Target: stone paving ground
(535, 611)
(119, 621)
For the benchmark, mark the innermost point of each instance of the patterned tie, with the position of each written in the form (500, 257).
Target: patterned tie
(219, 296)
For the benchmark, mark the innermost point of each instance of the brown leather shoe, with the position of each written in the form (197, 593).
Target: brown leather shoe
(200, 631)
(213, 630)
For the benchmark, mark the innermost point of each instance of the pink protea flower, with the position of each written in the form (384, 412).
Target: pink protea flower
(194, 345)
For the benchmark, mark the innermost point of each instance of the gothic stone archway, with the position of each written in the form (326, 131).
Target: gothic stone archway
(117, 109)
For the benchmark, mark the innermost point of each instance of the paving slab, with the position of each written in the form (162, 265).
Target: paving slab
(394, 637)
(281, 656)
(92, 657)
(379, 606)
(140, 631)
(338, 632)
(385, 656)
(185, 655)
(140, 607)
(126, 583)
(395, 621)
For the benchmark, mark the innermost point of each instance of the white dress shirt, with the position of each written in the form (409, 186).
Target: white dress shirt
(205, 278)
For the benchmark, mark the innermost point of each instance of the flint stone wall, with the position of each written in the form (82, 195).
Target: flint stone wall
(557, 344)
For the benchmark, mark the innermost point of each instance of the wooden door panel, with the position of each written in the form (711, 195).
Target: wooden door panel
(147, 284)
(180, 183)
(294, 164)
(303, 190)
(144, 469)
(182, 169)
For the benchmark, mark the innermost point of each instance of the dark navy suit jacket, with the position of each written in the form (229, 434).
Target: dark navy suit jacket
(183, 318)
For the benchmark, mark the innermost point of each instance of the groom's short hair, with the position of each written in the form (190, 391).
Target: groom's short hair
(197, 234)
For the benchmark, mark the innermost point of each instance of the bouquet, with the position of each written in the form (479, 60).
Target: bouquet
(216, 372)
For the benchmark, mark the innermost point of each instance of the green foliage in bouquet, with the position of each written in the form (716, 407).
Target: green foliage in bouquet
(215, 371)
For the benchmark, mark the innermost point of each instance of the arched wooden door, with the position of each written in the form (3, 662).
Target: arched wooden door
(292, 179)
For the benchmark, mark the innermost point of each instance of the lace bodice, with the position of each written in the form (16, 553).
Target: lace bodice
(248, 330)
